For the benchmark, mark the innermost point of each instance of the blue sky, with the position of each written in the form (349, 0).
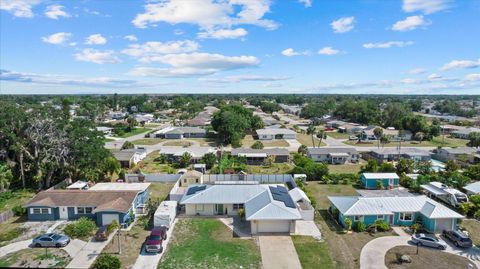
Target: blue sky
(240, 46)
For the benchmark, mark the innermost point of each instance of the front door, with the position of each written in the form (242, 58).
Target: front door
(63, 212)
(219, 209)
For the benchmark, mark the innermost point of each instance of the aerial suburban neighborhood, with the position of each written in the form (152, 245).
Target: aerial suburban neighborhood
(240, 134)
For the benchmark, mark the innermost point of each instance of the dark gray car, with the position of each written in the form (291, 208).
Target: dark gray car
(428, 240)
(51, 240)
(458, 238)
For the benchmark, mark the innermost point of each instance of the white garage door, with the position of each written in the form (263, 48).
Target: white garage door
(273, 226)
(108, 218)
(443, 224)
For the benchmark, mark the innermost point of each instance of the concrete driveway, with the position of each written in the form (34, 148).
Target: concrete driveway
(86, 255)
(278, 252)
(72, 249)
(150, 260)
(373, 253)
(307, 228)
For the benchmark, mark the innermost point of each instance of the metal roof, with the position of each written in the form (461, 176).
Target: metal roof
(403, 151)
(473, 187)
(196, 152)
(272, 151)
(438, 188)
(104, 186)
(264, 207)
(360, 206)
(275, 131)
(380, 175)
(328, 150)
(297, 194)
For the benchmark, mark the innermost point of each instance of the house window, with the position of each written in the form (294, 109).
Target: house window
(357, 218)
(237, 206)
(199, 207)
(42, 211)
(380, 217)
(84, 210)
(406, 216)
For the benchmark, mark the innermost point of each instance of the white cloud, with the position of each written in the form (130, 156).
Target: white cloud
(416, 71)
(223, 33)
(434, 76)
(95, 39)
(97, 56)
(178, 32)
(241, 78)
(153, 51)
(410, 23)
(195, 64)
(343, 25)
(56, 11)
(131, 38)
(291, 52)
(57, 38)
(207, 14)
(49, 79)
(473, 77)
(328, 51)
(460, 64)
(386, 45)
(306, 3)
(19, 8)
(425, 6)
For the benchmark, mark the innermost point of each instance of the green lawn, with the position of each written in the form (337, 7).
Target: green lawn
(147, 141)
(276, 168)
(11, 229)
(343, 249)
(248, 142)
(306, 140)
(473, 228)
(344, 168)
(10, 199)
(312, 253)
(208, 243)
(149, 165)
(160, 190)
(337, 135)
(135, 131)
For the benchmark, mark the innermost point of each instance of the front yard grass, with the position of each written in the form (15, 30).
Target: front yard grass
(178, 143)
(248, 141)
(312, 253)
(344, 249)
(149, 165)
(306, 140)
(36, 257)
(473, 228)
(148, 141)
(159, 191)
(207, 243)
(131, 244)
(135, 131)
(435, 142)
(426, 258)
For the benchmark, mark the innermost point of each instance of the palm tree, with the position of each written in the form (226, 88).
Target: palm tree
(419, 136)
(321, 135)
(311, 131)
(378, 133)
(384, 140)
(5, 177)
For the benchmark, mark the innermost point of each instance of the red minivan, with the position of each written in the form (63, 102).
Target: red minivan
(155, 239)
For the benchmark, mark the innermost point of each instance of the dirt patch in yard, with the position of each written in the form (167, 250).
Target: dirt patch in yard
(17, 229)
(36, 258)
(473, 228)
(426, 258)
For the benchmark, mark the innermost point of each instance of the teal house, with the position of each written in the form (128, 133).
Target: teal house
(397, 211)
(103, 203)
(388, 180)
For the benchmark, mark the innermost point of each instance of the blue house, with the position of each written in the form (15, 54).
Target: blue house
(388, 180)
(399, 211)
(104, 203)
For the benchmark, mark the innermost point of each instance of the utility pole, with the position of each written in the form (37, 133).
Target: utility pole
(119, 243)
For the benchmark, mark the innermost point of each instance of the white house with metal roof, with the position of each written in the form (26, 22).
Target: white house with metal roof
(276, 133)
(473, 188)
(402, 211)
(268, 208)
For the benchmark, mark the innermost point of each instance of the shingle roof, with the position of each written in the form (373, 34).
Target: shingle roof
(272, 151)
(461, 150)
(407, 151)
(275, 131)
(120, 201)
(111, 186)
(360, 206)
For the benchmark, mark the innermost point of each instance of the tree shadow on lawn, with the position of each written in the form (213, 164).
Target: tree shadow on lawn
(331, 223)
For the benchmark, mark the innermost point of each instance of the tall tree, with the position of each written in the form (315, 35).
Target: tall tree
(311, 130)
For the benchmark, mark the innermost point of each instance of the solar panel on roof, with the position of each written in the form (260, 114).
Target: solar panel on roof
(195, 189)
(281, 194)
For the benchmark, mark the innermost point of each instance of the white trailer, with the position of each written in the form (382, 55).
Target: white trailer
(448, 195)
(165, 214)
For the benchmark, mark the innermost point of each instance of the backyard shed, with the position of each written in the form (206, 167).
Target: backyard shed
(165, 214)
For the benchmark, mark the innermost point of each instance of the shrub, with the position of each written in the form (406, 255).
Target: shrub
(379, 185)
(348, 224)
(415, 227)
(477, 215)
(382, 226)
(359, 226)
(83, 227)
(112, 226)
(241, 213)
(18, 210)
(257, 145)
(107, 261)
